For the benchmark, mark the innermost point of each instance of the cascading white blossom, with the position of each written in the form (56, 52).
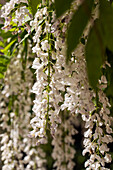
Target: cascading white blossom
(19, 17)
(9, 6)
(45, 106)
(40, 87)
(63, 142)
(78, 95)
(50, 74)
(74, 80)
(18, 150)
(61, 91)
(68, 83)
(99, 132)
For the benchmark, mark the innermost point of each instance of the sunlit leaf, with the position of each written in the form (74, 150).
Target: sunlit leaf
(1, 76)
(8, 46)
(4, 60)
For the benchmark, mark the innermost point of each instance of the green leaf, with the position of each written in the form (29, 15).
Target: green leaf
(8, 46)
(26, 36)
(5, 35)
(109, 74)
(1, 76)
(94, 52)
(109, 90)
(106, 20)
(78, 24)
(61, 6)
(3, 69)
(33, 5)
(4, 60)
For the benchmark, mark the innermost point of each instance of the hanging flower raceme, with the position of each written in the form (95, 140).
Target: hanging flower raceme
(45, 107)
(18, 150)
(99, 133)
(16, 15)
(40, 87)
(54, 77)
(78, 92)
(9, 6)
(63, 142)
(59, 86)
(51, 70)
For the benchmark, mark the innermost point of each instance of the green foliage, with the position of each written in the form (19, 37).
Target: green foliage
(106, 20)
(4, 61)
(33, 5)
(5, 50)
(75, 30)
(61, 6)
(109, 74)
(99, 38)
(94, 54)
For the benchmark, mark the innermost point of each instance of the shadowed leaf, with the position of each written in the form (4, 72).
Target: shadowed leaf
(77, 26)
(94, 54)
(106, 20)
(61, 6)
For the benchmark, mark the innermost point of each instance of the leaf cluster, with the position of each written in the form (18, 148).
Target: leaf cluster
(99, 38)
